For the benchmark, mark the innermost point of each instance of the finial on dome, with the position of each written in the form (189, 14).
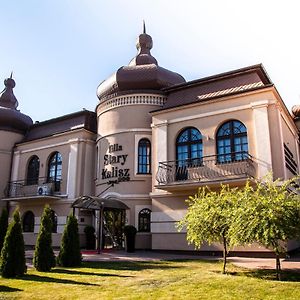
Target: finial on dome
(296, 111)
(7, 97)
(144, 45)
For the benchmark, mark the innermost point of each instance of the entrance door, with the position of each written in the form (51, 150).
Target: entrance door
(114, 222)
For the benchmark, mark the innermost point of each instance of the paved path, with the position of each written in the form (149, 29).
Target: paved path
(119, 255)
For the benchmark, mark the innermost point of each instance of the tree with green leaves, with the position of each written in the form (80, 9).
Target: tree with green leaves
(44, 258)
(268, 213)
(3, 226)
(69, 254)
(12, 261)
(208, 218)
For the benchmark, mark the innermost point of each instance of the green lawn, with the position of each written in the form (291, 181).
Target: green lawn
(151, 280)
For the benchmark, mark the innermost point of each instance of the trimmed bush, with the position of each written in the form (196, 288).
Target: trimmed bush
(90, 239)
(130, 232)
(12, 262)
(44, 258)
(69, 254)
(3, 226)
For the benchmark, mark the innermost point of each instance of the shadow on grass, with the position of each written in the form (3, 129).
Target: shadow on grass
(33, 277)
(6, 289)
(267, 274)
(129, 266)
(76, 272)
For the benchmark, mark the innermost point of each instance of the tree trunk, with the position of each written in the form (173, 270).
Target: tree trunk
(278, 267)
(224, 254)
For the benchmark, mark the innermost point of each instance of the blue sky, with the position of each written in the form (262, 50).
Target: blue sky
(60, 50)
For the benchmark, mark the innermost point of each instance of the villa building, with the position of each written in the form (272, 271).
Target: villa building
(152, 141)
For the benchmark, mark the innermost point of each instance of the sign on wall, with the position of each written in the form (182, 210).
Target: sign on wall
(113, 164)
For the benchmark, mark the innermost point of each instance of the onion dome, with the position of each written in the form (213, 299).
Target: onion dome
(143, 74)
(10, 118)
(296, 111)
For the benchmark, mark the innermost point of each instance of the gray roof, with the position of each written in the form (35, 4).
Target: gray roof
(96, 203)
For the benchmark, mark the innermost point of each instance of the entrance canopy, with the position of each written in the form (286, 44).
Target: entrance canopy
(96, 203)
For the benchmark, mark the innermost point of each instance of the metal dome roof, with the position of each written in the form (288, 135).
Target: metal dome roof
(12, 119)
(143, 74)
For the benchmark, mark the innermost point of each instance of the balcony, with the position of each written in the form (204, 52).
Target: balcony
(33, 188)
(211, 169)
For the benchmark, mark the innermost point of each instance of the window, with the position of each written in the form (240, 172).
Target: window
(290, 162)
(144, 220)
(33, 170)
(54, 170)
(232, 143)
(28, 222)
(144, 157)
(189, 151)
(54, 221)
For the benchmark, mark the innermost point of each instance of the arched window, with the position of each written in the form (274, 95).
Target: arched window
(232, 143)
(55, 169)
(144, 156)
(28, 222)
(189, 151)
(54, 221)
(33, 170)
(144, 220)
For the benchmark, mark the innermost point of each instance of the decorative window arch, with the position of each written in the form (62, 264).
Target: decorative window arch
(54, 221)
(144, 156)
(28, 221)
(144, 220)
(232, 142)
(55, 170)
(33, 169)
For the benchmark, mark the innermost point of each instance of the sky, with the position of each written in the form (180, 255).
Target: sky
(60, 50)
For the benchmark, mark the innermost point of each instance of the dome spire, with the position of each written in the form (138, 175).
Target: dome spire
(7, 97)
(143, 45)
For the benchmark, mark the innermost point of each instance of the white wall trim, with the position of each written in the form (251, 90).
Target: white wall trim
(124, 130)
(262, 103)
(68, 142)
(133, 99)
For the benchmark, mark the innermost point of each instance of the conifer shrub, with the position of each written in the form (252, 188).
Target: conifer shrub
(12, 261)
(69, 254)
(3, 226)
(44, 258)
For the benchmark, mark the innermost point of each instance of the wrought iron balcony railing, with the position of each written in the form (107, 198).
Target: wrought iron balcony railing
(208, 168)
(33, 187)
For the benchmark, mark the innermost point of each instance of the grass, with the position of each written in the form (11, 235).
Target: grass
(190, 279)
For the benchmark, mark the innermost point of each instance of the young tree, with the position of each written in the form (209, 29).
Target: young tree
(268, 213)
(44, 258)
(69, 254)
(208, 218)
(12, 262)
(3, 226)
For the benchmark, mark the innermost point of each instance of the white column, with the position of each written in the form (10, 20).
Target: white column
(72, 169)
(281, 143)
(162, 141)
(15, 166)
(159, 147)
(262, 138)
